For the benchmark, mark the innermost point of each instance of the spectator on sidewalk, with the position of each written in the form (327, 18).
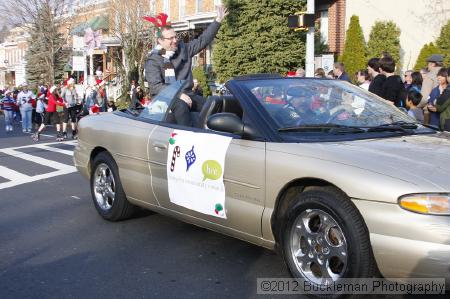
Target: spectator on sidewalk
(412, 100)
(416, 81)
(300, 72)
(363, 79)
(196, 88)
(136, 98)
(70, 97)
(102, 98)
(443, 106)
(430, 78)
(393, 89)
(339, 72)
(435, 93)
(320, 73)
(408, 79)
(376, 85)
(8, 105)
(132, 89)
(25, 100)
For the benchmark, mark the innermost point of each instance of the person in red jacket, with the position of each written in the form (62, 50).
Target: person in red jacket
(55, 107)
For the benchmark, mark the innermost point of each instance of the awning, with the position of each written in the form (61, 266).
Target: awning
(99, 22)
(96, 23)
(79, 29)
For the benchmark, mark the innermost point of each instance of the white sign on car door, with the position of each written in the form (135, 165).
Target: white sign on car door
(195, 167)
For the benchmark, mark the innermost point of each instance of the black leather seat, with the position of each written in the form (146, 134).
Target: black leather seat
(217, 104)
(212, 105)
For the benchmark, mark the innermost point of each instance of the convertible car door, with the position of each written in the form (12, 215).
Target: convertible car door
(243, 177)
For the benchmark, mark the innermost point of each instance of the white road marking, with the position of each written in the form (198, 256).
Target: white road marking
(71, 142)
(12, 175)
(54, 149)
(16, 178)
(35, 159)
(68, 170)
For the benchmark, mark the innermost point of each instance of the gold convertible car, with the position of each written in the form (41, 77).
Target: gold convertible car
(340, 182)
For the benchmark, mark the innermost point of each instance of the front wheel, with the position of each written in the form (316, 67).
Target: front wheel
(325, 238)
(107, 192)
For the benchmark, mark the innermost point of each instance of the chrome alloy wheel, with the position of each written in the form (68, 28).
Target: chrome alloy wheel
(104, 186)
(318, 247)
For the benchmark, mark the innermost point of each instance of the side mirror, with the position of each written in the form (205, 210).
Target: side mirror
(226, 122)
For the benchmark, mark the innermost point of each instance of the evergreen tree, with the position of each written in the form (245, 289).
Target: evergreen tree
(46, 55)
(354, 55)
(443, 43)
(426, 51)
(199, 74)
(384, 36)
(255, 38)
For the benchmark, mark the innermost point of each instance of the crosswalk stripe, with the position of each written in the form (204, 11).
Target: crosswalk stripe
(71, 142)
(30, 179)
(53, 149)
(46, 162)
(12, 175)
(16, 178)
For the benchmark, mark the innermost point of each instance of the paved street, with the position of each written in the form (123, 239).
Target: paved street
(54, 245)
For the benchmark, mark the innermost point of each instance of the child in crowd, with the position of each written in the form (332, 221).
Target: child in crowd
(413, 99)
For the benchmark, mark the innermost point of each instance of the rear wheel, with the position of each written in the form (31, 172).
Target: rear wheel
(325, 238)
(106, 189)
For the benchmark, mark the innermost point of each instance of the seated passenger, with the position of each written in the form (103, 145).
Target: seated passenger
(298, 111)
(276, 97)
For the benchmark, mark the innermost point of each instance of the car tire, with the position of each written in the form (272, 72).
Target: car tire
(107, 193)
(324, 236)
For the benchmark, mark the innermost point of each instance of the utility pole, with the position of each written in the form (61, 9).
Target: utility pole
(309, 59)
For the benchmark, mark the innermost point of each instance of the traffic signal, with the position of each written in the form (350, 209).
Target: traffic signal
(301, 21)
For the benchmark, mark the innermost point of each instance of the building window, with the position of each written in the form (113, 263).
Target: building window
(198, 6)
(324, 26)
(182, 8)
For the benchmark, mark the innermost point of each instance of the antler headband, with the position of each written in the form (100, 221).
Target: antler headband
(160, 21)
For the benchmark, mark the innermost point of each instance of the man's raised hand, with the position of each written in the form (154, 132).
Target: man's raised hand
(222, 12)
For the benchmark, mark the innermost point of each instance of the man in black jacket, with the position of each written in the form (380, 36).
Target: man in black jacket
(376, 85)
(172, 60)
(393, 89)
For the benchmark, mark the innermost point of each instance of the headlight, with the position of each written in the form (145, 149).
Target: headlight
(437, 204)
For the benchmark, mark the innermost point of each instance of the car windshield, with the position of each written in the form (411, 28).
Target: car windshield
(320, 103)
(157, 108)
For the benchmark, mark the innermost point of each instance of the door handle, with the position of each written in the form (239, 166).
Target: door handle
(159, 146)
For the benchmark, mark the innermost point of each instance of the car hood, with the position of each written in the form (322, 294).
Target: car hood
(419, 159)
